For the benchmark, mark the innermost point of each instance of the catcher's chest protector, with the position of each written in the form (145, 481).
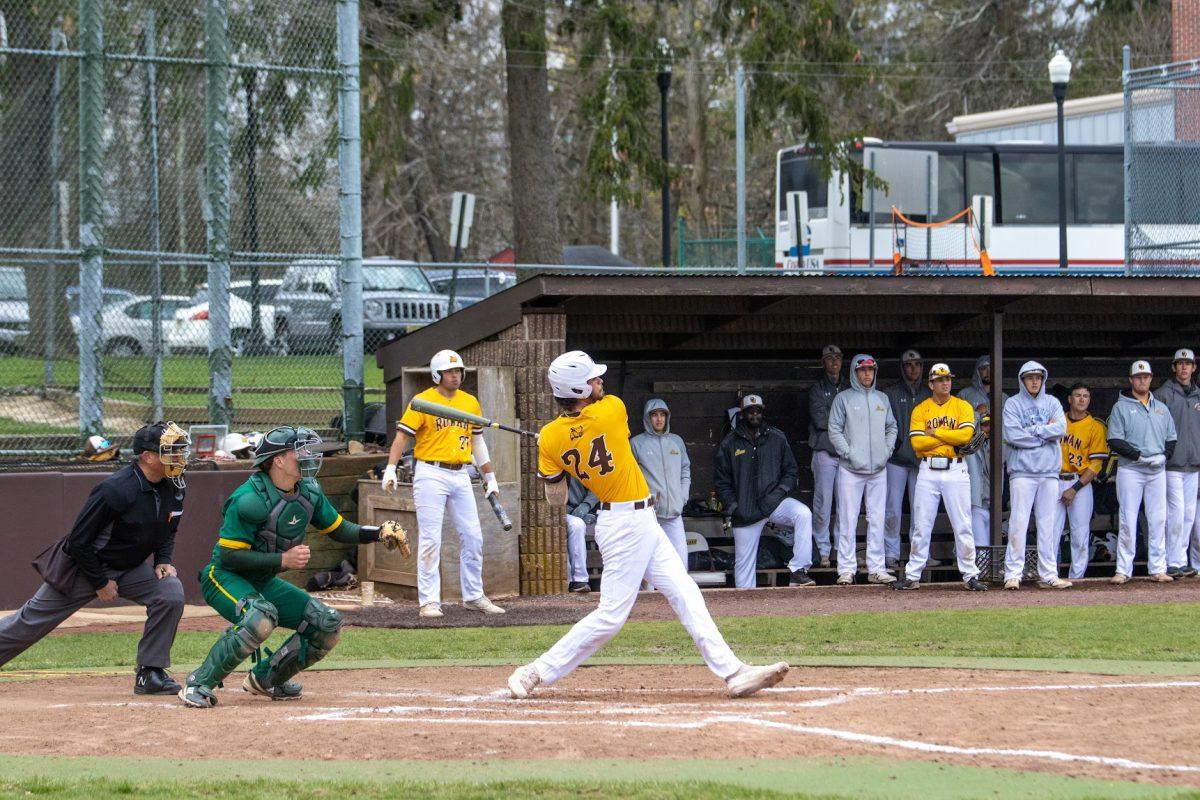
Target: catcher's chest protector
(287, 518)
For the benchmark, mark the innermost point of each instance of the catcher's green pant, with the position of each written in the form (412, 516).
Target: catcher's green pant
(256, 608)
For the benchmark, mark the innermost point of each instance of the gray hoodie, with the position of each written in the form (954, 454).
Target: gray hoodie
(978, 393)
(1146, 428)
(904, 397)
(1184, 405)
(820, 400)
(664, 461)
(1033, 427)
(862, 428)
(979, 468)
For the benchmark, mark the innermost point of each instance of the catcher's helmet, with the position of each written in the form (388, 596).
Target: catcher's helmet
(281, 440)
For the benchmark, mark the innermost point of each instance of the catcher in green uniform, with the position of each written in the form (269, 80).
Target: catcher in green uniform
(261, 535)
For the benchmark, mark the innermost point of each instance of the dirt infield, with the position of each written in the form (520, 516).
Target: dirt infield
(1114, 728)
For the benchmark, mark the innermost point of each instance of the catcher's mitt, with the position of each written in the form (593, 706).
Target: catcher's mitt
(973, 446)
(394, 537)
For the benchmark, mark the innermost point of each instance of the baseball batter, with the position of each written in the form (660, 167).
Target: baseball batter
(938, 427)
(441, 481)
(590, 440)
(262, 533)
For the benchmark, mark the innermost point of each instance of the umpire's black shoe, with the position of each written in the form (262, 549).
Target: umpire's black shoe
(801, 578)
(154, 680)
(904, 585)
(976, 585)
(579, 587)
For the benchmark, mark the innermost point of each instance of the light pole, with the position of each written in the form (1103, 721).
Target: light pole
(664, 86)
(1060, 75)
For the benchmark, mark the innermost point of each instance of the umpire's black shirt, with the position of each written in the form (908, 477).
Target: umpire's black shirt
(125, 519)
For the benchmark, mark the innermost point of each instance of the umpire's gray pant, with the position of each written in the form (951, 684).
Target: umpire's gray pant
(48, 608)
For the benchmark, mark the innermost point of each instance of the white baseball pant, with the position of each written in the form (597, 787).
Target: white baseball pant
(1079, 515)
(1194, 548)
(634, 547)
(1038, 494)
(577, 549)
(952, 487)
(852, 487)
(824, 469)
(981, 525)
(673, 528)
(1135, 486)
(899, 478)
(1181, 515)
(435, 490)
(791, 513)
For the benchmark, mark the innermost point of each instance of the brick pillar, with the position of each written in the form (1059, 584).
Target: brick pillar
(1185, 46)
(530, 346)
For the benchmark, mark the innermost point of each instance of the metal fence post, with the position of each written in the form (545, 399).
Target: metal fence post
(91, 213)
(350, 218)
(740, 113)
(50, 344)
(1127, 167)
(156, 349)
(216, 176)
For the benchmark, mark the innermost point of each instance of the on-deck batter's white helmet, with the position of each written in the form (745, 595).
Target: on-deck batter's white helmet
(569, 374)
(443, 360)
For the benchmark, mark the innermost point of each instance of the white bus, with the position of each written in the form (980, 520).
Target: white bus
(1012, 188)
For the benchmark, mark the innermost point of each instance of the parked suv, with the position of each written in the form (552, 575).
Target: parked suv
(397, 299)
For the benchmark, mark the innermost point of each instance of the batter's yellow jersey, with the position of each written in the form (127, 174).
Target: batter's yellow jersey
(954, 420)
(593, 445)
(1085, 445)
(442, 439)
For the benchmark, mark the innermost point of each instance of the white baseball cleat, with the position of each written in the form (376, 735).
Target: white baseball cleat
(748, 680)
(1118, 579)
(1056, 583)
(1161, 577)
(431, 610)
(1012, 584)
(881, 577)
(484, 605)
(523, 681)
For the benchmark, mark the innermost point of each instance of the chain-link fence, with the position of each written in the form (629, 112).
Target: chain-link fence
(1162, 168)
(169, 201)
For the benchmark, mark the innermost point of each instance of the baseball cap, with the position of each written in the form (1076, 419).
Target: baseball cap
(751, 400)
(865, 361)
(910, 355)
(235, 443)
(97, 448)
(147, 438)
(1140, 367)
(831, 350)
(1184, 354)
(940, 371)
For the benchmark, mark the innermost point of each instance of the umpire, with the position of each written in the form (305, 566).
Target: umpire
(128, 517)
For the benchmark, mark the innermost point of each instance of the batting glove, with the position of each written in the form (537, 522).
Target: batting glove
(490, 484)
(390, 482)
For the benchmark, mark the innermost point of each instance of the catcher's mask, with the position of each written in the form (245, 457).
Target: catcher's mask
(172, 444)
(281, 440)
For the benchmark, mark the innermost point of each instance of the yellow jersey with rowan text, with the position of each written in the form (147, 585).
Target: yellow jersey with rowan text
(1085, 445)
(593, 446)
(442, 439)
(954, 420)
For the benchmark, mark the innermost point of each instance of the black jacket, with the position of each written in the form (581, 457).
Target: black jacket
(123, 521)
(754, 473)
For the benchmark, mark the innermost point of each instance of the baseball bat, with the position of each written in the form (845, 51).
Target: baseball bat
(501, 514)
(446, 412)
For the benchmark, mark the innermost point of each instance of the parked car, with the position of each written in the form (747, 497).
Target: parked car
(397, 299)
(14, 307)
(189, 330)
(127, 328)
(111, 295)
(474, 284)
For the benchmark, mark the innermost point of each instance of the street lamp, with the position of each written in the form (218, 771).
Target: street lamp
(664, 85)
(1060, 76)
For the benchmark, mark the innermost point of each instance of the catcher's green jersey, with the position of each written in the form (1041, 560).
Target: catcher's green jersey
(259, 517)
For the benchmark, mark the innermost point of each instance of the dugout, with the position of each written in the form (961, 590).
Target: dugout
(696, 341)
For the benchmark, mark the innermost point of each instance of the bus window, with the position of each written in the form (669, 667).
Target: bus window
(950, 186)
(981, 179)
(800, 173)
(1098, 190)
(1028, 189)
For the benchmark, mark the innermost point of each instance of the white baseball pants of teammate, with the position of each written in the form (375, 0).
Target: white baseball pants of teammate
(577, 549)
(981, 525)
(673, 528)
(899, 478)
(1079, 515)
(1037, 494)
(851, 488)
(953, 488)
(1181, 515)
(790, 513)
(434, 490)
(824, 469)
(1135, 487)
(634, 547)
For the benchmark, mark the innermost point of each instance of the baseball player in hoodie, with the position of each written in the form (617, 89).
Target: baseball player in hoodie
(664, 461)
(862, 429)
(904, 395)
(1034, 423)
(1181, 396)
(824, 456)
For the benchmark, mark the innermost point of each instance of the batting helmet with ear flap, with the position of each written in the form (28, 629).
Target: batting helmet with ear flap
(569, 374)
(444, 360)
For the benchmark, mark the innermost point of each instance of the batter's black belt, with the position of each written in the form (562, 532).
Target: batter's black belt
(1067, 476)
(637, 505)
(445, 465)
(951, 459)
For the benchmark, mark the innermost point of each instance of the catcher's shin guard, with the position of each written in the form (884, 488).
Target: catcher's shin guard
(257, 618)
(314, 638)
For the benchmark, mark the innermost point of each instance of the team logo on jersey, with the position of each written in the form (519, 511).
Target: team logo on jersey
(739, 452)
(879, 408)
(576, 432)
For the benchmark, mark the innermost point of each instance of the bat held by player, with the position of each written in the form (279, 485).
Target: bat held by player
(446, 412)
